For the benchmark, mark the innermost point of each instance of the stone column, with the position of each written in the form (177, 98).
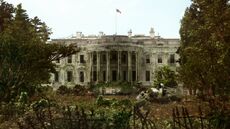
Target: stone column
(165, 58)
(90, 67)
(62, 76)
(98, 66)
(129, 66)
(118, 65)
(108, 66)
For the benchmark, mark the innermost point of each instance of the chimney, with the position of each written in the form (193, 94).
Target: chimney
(101, 34)
(79, 35)
(130, 33)
(152, 33)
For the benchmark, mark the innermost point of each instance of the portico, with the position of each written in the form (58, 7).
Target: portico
(110, 65)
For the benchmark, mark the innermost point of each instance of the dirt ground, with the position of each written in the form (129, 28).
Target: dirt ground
(158, 110)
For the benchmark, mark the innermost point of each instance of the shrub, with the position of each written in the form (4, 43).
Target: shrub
(121, 119)
(79, 90)
(103, 102)
(122, 103)
(63, 90)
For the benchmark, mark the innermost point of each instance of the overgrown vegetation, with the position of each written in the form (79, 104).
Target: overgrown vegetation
(25, 58)
(205, 49)
(166, 76)
(205, 55)
(77, 90)
(26, 63)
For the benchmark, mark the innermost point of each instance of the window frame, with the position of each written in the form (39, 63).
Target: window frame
(69, 76)
(147, 75)
(69, 59)
(82, 60)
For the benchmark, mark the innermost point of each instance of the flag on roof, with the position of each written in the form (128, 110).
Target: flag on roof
(118, 11)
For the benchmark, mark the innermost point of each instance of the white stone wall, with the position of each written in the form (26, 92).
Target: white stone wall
(142, 46)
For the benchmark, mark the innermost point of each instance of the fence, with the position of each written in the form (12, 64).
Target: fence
(183, 120)
(48, 116)
(79, 118)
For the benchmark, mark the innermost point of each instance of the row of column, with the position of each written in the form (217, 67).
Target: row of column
(108, 66)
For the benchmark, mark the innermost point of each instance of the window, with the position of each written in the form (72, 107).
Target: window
(69, 59)
(133, 75)
(113, 57)
(94, 59)
(104, 76)
(147, 75)
(94, 75)
(123, 58)
(81, 76)
(159, 60)
(124, 76)
(133, 58)
(172, 58)
(114, 75)
(69, 76)
(103, 58)
(147, 59)
(56, 77)
(82, 60)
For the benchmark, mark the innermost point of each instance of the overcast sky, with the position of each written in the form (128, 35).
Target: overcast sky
(66, 17)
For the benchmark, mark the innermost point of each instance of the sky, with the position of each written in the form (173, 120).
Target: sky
(66, 17)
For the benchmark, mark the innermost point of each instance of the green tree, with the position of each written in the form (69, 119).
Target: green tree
(205, 48)
(6, 11)
(25, 57)
(165, 76)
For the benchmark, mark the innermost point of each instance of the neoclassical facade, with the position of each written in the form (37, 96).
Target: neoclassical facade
(115, 58)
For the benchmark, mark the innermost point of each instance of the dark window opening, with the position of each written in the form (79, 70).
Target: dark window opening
(103, 58)
(159, 60)
(94, 75)
(147, 61)
(114, 75)
(69, 59)
(147, 76)
(104, 76)
(94, 59)
(81, 76)
(123, 58)
(172, 58)
(56, 77)
(124, 76)
(113, 57)
(133, 75)
(82, 60)
(133, 58)
(69, 76)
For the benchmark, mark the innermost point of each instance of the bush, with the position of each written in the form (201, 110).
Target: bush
(121, 119)
(122, 103)
(79, 90)
(127, 88)
(103, 102)
(63, 90)
(10, 110)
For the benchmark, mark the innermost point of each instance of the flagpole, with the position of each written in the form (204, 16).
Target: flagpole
(115, 22)
(117, 11)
